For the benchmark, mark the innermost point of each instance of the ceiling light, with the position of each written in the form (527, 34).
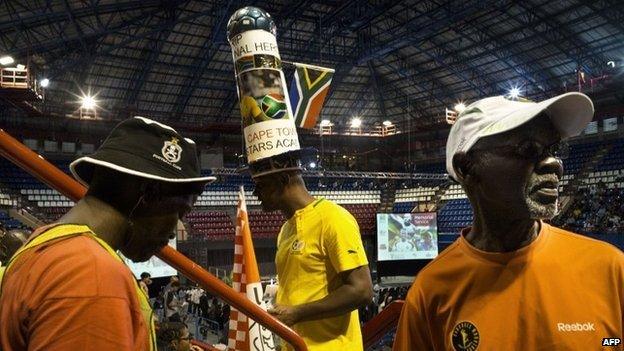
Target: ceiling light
(312, 164)
(6, 60)
(87, 102)
(514, 92)
(325, 123)
(459, 107)
(45, 82)
(356, 122)
(387, 123)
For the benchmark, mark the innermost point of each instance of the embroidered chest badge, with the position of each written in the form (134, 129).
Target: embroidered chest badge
(465, 337)
(297, 247)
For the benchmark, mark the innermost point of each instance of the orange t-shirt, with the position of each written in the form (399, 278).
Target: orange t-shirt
(562, 292)
(70, 294)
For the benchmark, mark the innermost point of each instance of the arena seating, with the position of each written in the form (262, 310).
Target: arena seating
(454, 191)
(579, 155)
(50, 214)
(614, 160)
(420, 194)
(365, 214)
(47, 198)
(210, 225)
(5, 200)
(265, 225)
(8, 222)
(218, 225)
(454, 216)
(361, 197)
(407, 199)
(404, 207)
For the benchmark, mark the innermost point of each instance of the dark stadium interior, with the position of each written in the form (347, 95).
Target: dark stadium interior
(402, 67)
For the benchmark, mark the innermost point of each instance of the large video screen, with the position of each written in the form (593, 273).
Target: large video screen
(407, 236)
(154, 266)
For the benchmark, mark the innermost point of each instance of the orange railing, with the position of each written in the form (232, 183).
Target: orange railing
(381, 324)
(43, 170)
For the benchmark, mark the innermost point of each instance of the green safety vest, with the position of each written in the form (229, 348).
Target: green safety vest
(65, 231)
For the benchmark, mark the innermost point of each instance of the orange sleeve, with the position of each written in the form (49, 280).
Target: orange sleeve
(413, 329)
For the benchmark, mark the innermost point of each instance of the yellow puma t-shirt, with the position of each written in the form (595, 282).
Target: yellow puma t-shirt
(314, 245)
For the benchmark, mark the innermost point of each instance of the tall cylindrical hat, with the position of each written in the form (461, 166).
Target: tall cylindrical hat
(269, 131)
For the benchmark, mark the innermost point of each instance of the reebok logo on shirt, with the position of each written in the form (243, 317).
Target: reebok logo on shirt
(575, 327)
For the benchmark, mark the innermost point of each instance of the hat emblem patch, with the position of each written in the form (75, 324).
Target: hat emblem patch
(171, 151)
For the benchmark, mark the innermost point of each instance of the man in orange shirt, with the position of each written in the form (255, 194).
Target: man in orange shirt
(67, 289)
(511, 281)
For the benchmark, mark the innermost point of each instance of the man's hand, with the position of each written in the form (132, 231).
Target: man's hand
(288, 315)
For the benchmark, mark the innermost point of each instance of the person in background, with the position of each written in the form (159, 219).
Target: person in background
(173, 303)
(144, 282)
(172, 279)
(175, 336)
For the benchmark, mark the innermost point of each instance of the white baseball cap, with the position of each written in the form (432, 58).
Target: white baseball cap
(570, 113)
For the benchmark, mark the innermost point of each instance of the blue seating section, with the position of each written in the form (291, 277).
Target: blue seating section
(614, 160)
(18, 179)
(457, 214)
(231, 183)
(403, 207)
(579, 155)
(8, 222)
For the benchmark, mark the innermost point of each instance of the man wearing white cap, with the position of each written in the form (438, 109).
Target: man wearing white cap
(511, 281)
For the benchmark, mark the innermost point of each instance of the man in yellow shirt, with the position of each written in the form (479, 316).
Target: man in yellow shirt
(511, 281)
(321, 264)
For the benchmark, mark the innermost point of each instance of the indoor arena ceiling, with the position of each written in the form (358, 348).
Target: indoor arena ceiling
(170, 60)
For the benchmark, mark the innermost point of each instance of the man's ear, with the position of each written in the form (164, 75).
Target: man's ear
(462, 164)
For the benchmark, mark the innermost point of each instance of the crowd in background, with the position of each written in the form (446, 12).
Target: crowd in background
(178, 305)
(596, 209)
(382, 298)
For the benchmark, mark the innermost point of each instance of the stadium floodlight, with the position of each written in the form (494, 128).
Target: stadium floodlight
(20, 66)
(459, 107)
(356, 122)
(325, 123)
(6, 60)
(88, 102)
(514, 92)
(387, 123)
(45, 82)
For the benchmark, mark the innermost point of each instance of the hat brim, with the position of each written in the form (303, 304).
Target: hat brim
(82, 170)
(255, 169)
(570, 114)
